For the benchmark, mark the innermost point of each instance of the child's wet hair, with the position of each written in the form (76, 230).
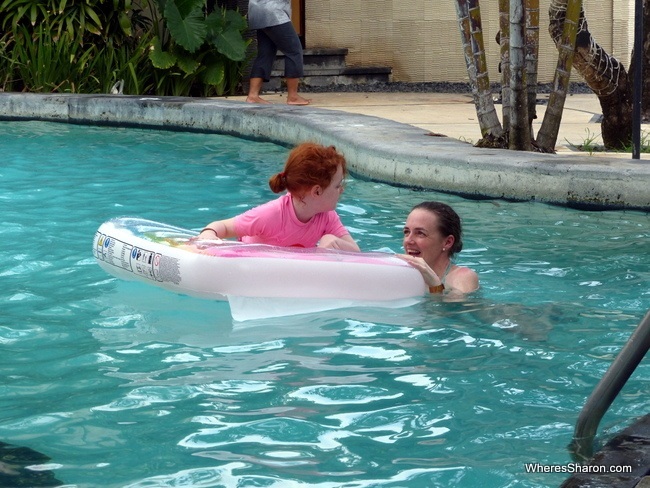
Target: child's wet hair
(308, 165)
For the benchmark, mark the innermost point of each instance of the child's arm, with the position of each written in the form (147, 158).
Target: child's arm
(223, 229)
(343, 243)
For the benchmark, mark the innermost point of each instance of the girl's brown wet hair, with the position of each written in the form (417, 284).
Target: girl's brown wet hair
(308, 165)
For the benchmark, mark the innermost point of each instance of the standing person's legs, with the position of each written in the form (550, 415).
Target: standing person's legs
(284, 36)
(262, 65)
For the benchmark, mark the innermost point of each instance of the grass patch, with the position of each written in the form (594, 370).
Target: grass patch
(590, 144)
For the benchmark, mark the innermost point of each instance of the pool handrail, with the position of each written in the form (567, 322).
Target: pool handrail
(607, 389)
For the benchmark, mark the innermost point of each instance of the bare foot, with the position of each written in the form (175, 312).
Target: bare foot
(298, 100)
(255, 99)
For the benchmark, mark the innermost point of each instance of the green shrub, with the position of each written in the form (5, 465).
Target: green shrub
(198, 53)
(172, 47)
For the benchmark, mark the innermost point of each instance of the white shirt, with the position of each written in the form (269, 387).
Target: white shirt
(267, 13)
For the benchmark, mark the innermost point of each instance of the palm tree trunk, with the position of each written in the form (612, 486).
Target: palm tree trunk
(468, 13)
(547, 137)
(645, 66)
(532, 56)
(503, 38)
(605, 76)
(519, 130)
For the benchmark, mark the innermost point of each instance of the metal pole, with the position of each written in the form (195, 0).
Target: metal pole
(638, 80)
(607, 388)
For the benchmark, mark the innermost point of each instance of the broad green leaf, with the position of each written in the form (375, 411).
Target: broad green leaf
(188, 32)
(186, 7)
(189, 64)
(159, 58)
(236, 20)
(215, 72)
(231, 44)
(224, 34)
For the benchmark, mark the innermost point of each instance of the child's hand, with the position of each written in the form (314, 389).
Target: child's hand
(206, 236)
(330, 241)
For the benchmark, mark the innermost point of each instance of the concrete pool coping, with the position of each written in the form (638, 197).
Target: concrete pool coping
(375, 148)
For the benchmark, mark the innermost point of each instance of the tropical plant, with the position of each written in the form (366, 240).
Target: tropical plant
(645, 64)
(532, 57)
(604, 74)
(547, 136)
(519, 132)
(6, 64)
(128, 65)
(198, 48)
(469, 19)
(82, 21)
(47, 64)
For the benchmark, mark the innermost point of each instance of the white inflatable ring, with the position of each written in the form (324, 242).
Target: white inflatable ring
(163, 255)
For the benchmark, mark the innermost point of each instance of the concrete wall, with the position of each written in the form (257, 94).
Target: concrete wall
(420, 39)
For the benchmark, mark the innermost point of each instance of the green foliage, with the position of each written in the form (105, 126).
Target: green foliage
(82, 21)
(171, 47)
(6, 65)
(188, 29)
(590, 144)
(127, 63)
(33, 55)
(202, 50)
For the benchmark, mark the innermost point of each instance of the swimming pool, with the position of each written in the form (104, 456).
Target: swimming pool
(121, 384)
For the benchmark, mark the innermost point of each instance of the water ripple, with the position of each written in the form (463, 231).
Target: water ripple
(342, 394)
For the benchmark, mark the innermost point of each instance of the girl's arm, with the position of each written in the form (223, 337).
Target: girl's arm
(222, 229)
(343, 243)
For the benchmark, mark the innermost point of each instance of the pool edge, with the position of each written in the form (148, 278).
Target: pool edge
(375, 148)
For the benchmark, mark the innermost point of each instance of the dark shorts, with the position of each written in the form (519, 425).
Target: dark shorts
(281, 37)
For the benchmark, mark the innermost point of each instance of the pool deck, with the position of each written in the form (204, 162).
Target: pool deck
(389, 137)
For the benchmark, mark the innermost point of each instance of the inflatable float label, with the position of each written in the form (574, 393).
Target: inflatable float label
(141, 262)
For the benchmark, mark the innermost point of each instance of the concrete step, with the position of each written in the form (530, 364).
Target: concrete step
(324, 67)
(321, 58)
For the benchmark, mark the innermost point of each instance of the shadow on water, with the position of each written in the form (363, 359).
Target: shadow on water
(22, 466)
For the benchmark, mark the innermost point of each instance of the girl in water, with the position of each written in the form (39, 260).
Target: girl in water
(305, 216)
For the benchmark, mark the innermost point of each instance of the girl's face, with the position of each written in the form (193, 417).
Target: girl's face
(422, 237)
(330, 195)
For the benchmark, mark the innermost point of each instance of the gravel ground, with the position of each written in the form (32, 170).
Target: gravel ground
(430, 87)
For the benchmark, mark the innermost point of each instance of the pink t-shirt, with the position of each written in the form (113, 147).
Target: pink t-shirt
(275, 223)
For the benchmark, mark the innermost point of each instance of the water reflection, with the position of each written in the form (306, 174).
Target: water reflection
(22, 466)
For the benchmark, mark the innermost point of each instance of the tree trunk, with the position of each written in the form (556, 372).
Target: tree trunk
(519, 130)
(503, 39)
(605, 76)
(548, 133)
(469, 20)
(532, 56)
(645, 98)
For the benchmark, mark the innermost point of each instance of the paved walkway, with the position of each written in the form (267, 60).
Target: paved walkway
(454, 115)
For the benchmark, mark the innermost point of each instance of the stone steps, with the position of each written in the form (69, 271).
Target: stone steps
(325, 67)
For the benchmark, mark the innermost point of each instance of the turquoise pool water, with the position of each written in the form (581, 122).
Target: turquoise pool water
(122, 384)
